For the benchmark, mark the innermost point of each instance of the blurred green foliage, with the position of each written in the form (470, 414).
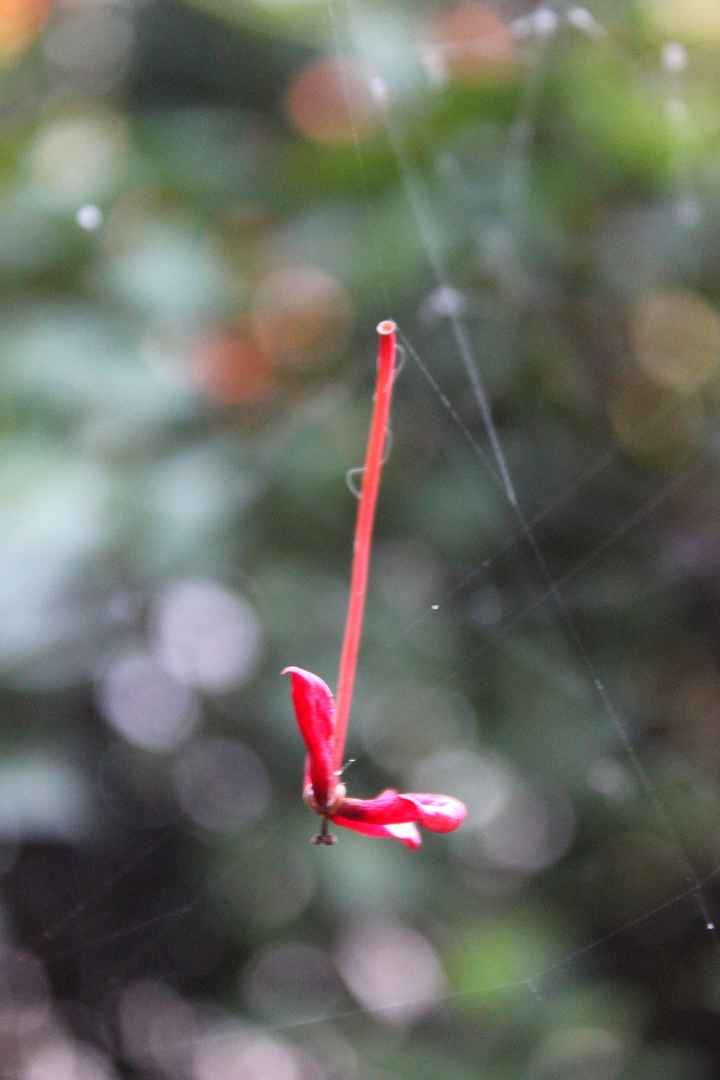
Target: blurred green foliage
(194, 257)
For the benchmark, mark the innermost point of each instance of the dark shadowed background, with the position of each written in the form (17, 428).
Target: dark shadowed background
(206, 210)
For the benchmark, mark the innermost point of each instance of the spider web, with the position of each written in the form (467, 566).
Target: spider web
(542, 25)
(540, 28)
(545, 590)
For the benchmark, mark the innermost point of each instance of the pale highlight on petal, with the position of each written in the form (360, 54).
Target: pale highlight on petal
(406, 833)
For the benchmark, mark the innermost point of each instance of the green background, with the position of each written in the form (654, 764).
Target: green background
(556, 664)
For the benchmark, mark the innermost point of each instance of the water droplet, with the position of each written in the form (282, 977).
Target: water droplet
(89, 217)
(674, 57)
(581, 19)
(379, 90)
(545, 20)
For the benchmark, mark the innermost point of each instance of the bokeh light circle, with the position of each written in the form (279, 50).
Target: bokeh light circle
(300, 315)
(470, 43)
(676, 338)
(206, 636)
(145, 703)
(331, 101)
(233, 370)
(392, 970)
(232, 1051)
(291, 982)
(222, 785)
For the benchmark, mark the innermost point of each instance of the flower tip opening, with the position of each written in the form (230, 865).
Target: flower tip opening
(387, 326)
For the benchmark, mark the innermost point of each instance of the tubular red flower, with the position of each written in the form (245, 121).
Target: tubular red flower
(390, 814)
(321, 724)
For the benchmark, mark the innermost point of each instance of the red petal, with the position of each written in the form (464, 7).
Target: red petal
(438, 813)
(388, 808)
(314, 710)
(407, 834)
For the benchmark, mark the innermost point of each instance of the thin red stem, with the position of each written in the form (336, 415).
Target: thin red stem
(363, 535)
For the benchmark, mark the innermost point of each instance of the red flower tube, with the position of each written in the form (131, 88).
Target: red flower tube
(389, 814)
(322, 723)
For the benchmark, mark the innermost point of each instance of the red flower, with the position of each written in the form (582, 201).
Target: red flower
(389, 814)
(322, 723)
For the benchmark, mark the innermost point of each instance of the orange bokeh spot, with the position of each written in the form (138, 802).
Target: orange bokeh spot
(300, 316)
(469, 44)
(233, 371)
(20, 23)
(676, 338)
(331, 102)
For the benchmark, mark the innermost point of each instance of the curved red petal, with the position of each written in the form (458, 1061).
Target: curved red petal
(406, 833)
(438, 813)
(388, 808)
(314, 711)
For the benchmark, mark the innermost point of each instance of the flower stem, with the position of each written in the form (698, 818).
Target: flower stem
(363, 535)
